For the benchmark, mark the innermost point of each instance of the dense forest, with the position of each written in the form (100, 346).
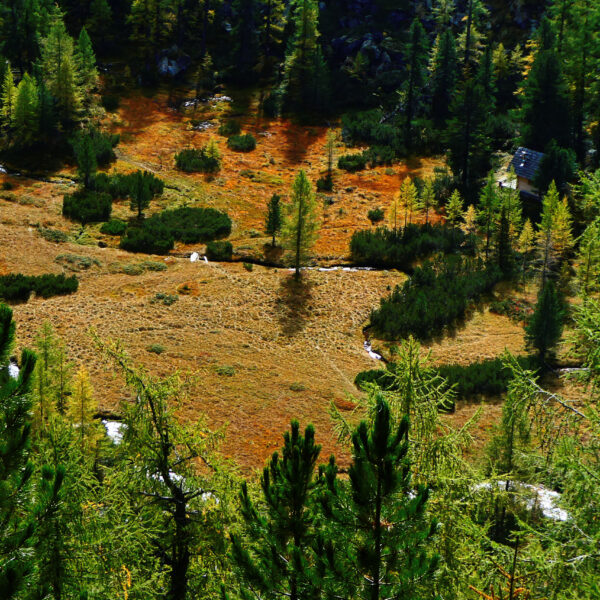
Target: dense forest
(498, 105)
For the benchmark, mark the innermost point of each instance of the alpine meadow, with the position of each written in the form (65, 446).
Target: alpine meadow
(299, 300)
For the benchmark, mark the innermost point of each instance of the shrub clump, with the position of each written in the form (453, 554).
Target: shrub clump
(352, 162)
(53, 235)
(113, 227)
(75, 262)
(231, 127)
(87, 206)
(376, 215)
(436, 295)
(166, 299)
(325, 184)
(192, 224)
(203, 160)
(242, 143)
(151, 237)
(219, 251)
(119, 185)
(387, 248)
(17, 287)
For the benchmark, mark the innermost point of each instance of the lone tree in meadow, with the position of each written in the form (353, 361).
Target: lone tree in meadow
(143, 187)
(274, 219)
(300, 227)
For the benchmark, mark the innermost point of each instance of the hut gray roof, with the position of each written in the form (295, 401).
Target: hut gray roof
(526, 162)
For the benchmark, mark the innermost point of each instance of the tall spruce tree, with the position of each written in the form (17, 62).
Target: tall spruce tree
(274, 219)
(545, 327)
(245, 45)
(444, 76)
(416, 64)
(86, 63)
(26, 117)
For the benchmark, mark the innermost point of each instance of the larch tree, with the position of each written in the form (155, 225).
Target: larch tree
(526, 246)
(427, 200)
(81, 408)
(488, 207)
(454, 209)
(8, 100)
(408, 199)
(588, 260)
(86, 63)
(26, 115)
(546, 232)
(301, 223)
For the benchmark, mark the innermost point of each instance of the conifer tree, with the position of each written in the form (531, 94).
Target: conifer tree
(142, 190)
(504, 251)
(272, 31)
(26, 115)
(488, 206)
(81, 408)
(588, 259)
(276, 556)
(85, 155)
(545, 327)
(274, 220)
(526, 245)
(558, 165)
(385, 554)
(60, 70)
(444, 76)
(99, 22)
(42, 381)
(427, 199)
(8, 99)
(408, 199)
(20, 512)
(86, 63)
(301, 225)
(562, 228)
(305, 83)
(545, 114)
(245, 40)
(416, 59)
(454, 209)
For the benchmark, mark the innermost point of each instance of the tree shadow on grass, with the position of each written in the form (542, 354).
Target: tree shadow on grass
(293, 304)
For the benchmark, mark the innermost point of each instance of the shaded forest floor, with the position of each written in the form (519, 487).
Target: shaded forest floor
(262, 349)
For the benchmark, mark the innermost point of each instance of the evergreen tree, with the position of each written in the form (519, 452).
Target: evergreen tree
(408, 199)
(546, 232)
(526, 245)
(26, 115)
(385, 552)
(488, 207)
(99, 22)
(545, 115)
(416, 59)
(454, 209)
(305, 84)
(504, 251)
(444, 76)
(276, 556)
(588, 259)
(245, 40)
(468, 137)
(558, 165)
(562, 229)
(60, 71)
(545, 327)
(274, 220)
(85, 155)
(86, 63)
(272, 31)
(427, 199)
(20, 512)
(8, 99)
(142, 190)
(300, 227)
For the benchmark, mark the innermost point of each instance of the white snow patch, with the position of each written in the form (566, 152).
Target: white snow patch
(2, 169)
(194, 257)
(114, 430)
(205, 259)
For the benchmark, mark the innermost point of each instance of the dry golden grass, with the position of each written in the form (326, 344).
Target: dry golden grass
(264, 349)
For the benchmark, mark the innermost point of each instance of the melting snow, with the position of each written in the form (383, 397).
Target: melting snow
(194, 257)
(374, 355)
(13, 370)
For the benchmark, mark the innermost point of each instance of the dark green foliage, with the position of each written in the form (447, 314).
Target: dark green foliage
(231, 127)
(190, 225)
(143, 186)
(545, 327)
(194, 160)
(352, 162)
(113, 227)
(558, 165)
(18, 516)
(219, 251)
(383, 552)
(87, 206)
(435, 296)
(505, 258)
(242, 143)
(376, 215)
(399, 249)
(277, 553)
(17, 287)
(444, 76)
(150, 236)
(110, 102)
(92, 148)
(366, 128)
(119, 185)
(274, 220)
(325, 184)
